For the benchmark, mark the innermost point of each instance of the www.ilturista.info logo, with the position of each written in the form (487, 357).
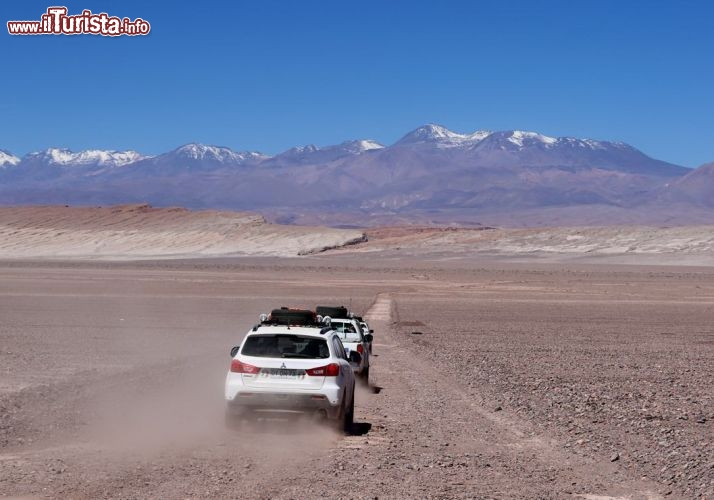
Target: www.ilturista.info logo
(57, 22)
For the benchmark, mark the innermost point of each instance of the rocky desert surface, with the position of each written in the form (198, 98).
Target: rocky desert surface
(492, 378)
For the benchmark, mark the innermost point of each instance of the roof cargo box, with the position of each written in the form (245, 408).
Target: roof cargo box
(332, 311)
(296, 317)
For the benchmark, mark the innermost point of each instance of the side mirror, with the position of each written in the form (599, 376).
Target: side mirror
(234, 351)
(371, 331)
(368, 337)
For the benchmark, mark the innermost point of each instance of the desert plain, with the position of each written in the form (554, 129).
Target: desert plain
(538, 363)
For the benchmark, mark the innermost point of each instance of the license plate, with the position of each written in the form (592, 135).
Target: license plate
(285, 373)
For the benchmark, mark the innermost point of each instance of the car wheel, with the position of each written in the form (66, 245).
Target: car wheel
(349, 417)
(341, 415)
(365, 376)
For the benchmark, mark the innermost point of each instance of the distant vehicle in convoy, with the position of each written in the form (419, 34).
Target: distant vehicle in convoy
(365, 330)
(290, 364)
(352, 336)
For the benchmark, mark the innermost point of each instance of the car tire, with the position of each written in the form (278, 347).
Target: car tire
(339, 424)
(349, 417)
(365, 376)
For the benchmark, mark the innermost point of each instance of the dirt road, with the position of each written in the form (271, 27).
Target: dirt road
(111, 380)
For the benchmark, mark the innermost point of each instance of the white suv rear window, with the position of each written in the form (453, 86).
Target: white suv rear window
(285, 346)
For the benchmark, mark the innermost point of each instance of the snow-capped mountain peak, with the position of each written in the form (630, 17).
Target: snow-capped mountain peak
(196, 151)
(109, 158)
(57, 156)
(368, 144)
(442, 136)
(96, 157)
(477, 136)
(326, 154)
(430, 133)
(192, 150)
(359, 146)
(8, 159)
(519, 138)
(310, 148)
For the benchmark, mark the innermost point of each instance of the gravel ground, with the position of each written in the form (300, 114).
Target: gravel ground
(487, 383)
(613, 366)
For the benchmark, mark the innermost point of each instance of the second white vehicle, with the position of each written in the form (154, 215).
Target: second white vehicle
(350, 332)
(366, 330)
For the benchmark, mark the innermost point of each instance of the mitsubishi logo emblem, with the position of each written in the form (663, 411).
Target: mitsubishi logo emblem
(282, 367)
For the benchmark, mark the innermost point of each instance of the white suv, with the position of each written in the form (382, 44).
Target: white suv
(282, 370)
(366, 330)
(350, 332)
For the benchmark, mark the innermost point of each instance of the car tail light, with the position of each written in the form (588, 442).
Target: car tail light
(238, 367)
(360, 349)
(331, 370)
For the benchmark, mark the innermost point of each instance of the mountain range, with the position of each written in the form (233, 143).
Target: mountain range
(431, 175)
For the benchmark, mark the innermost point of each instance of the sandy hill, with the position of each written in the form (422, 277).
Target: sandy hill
(635, 244)
(132, 232)
(141, 231)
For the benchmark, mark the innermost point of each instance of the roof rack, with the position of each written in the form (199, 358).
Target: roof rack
(286, 316)
(333, 311)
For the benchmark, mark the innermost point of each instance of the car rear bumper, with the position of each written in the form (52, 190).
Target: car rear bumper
(285, 404)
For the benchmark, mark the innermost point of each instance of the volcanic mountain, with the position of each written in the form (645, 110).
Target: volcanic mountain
(432, 174)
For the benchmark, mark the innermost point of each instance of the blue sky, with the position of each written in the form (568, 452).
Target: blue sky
(267, 75)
